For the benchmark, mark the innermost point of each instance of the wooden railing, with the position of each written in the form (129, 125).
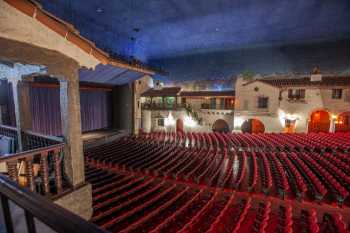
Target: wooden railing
(39, 166)
(35, 214)
(40, 169)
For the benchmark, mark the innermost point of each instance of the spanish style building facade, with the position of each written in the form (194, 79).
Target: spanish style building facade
(315, 103)
(175, 109)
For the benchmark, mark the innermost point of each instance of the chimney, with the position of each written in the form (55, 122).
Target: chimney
(316, 75)
(158, 85)
(316, 78)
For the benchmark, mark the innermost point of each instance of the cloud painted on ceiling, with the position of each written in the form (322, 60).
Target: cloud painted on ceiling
(157, 29)
(217, 39)
(330, 57)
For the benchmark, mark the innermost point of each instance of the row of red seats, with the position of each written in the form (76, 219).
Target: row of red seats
(271, 141)
(304, 175)
(139, 203)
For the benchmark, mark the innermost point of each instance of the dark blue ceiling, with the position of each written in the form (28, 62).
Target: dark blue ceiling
(159, 31)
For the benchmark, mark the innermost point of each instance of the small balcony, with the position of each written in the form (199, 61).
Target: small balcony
(296, 100)
(160, 106)
(206, 106)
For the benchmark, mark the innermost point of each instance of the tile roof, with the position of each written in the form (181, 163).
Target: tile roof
(109, 74)
(305, 81)
(165, 91)
(68, 32)
(230, 93)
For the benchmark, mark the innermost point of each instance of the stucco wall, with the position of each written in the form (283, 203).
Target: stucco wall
(17, 26)
(280, 108)
(209, 117)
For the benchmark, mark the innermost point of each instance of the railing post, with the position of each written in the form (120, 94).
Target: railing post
(45, 172)
(58, 172)
(12, 170)
(7, 214)
(29, 173)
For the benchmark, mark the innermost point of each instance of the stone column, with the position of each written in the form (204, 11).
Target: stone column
(71, 129)
(16, 98)
(24, 105)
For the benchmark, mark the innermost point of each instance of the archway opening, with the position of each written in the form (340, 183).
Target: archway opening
(253, 126)
(342, 124)
(221, 126)
(319, 122)
(179, 126)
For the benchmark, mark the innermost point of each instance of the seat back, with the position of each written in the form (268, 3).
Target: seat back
(6, 145)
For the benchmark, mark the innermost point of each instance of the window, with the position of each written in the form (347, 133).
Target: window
(161, 122)
(183, 100)
(222, 103)
(212, 103)
(297, 94)
(337, 93)
(263, 102)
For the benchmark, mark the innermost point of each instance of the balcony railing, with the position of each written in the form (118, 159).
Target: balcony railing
(24, 211)
(216, 107)
(160, 106)
(39, 166)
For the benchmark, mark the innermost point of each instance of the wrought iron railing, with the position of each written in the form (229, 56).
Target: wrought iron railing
(8, 131)
(33, 140)
(160, 106)
(30, 140)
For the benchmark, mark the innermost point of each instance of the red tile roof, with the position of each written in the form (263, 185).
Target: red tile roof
(230, 93)
(163, 92)
(327, 81)
(68, 31)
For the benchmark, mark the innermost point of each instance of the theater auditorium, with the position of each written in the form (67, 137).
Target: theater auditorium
(174, 116)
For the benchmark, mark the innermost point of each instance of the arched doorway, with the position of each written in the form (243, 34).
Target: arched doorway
(221, 126)
(319, 122)
(179, 126)
(342, 124)
(253, 126)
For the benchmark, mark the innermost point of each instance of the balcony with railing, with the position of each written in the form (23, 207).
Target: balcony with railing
(206, 106)
(29, 180)
(161, 106)
(39, 166)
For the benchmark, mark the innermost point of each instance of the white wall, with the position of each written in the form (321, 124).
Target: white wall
(279, 108)
(150, 119)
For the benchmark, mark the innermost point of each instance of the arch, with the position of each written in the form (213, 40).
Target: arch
(320, 121)
(179, 126)
(253, 126)
(221, 125)
(342, 123)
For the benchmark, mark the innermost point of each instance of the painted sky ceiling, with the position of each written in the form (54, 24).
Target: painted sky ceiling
(173, 33)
